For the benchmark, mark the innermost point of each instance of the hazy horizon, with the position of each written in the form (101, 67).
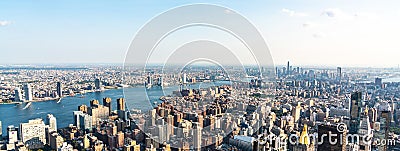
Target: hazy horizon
(308, 33)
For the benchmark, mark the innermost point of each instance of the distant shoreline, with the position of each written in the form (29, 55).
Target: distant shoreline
(56, 99)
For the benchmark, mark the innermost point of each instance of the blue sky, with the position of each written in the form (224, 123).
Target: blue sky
(307, 32)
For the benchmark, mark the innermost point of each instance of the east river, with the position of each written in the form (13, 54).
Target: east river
(136, 98)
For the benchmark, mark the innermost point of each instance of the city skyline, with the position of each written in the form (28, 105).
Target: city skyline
(351, 33)
(191, 75)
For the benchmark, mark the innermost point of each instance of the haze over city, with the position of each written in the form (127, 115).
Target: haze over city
(274, 75)
(361, 33)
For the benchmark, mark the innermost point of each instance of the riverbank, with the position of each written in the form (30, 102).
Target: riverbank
(82, 93)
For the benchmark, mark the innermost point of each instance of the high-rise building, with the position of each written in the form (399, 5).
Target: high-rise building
(305, 144)
(97, 83)
(82, 120)
(149, 80)
(28, 92)
(119, 139)
(296, 113)
(56, 141)
(59, 89)
(339, 73)
(18, 95)
(385, 124)
(184, 80)
(94, 103)
(288, 68)
(52, 122)
(355, 112)
(107, 103)
(12, 133)
(336, 141)
(121, 104)
(83, 108)
(365, 132)
(378, 82)
(197, 134)
(33, 133)
(98, 112)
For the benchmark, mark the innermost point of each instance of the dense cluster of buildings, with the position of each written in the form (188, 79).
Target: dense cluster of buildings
(300, 110)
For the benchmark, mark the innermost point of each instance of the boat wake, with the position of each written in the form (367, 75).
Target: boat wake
(27, 105)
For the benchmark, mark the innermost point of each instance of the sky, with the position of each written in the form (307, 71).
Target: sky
(361, 33)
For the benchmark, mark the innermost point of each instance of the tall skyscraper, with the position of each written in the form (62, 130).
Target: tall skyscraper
(59, 89)
(33, 134)
(385, 124)
(121, 104)
(355, 112)
(339, 73)
(107, 103)
(197, 134)
(149, 80)
(184, 80)
(288, 68)
(52, 122)
(18, 95)
(365, 132)
(97, 83)
(296, 113)
(28, 92)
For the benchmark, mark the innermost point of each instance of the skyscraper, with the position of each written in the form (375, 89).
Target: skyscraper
(378, 82)
(59, 89)
(52, 122)
(33, 133)
(184, 80)
(82, 120)
(18, 95)
(197, 134)
(385, 120)
(121, 104)
(339, 73)
(97, 83)
(28, 92)
(107, 103)
(12, 134)
(355, 112)
(288, 68)
(296, 113)
(365, 132)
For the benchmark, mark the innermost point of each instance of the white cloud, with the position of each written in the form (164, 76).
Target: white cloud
(293, 13)
(4, 22)
(335, 13)
(339, 14)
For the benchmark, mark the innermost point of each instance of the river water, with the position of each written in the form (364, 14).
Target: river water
(136, 98)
